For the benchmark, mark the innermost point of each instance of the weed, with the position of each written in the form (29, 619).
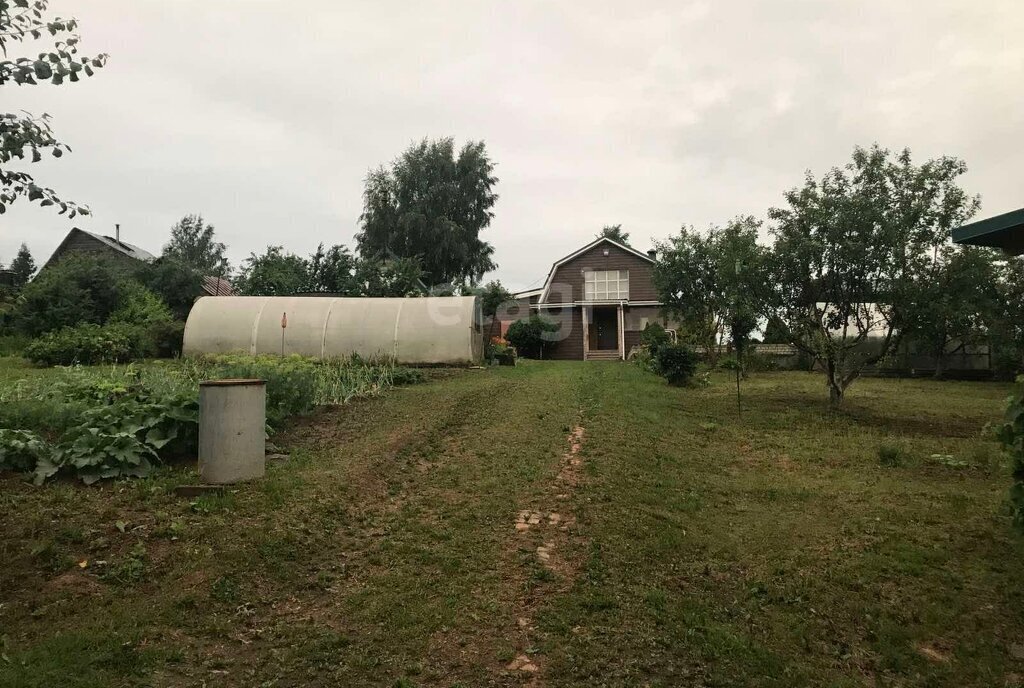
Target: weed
(224, 589)
(891, 455)
(128, 570)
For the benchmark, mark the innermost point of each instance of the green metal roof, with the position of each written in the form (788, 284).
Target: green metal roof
(1004, 231)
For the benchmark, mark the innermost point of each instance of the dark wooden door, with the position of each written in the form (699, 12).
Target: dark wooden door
(605, 330)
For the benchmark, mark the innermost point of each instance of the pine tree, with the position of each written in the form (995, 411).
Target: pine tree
(23, 267)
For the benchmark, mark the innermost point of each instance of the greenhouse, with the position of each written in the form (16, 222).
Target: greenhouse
(428, 330)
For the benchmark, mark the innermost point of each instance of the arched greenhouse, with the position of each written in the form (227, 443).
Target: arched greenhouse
(428, 330)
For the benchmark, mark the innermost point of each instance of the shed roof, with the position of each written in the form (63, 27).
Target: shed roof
(1004, 231)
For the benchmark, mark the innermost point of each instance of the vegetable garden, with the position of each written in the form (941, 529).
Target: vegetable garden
(120, 421)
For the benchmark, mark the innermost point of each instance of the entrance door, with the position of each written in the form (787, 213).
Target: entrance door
(604, 331)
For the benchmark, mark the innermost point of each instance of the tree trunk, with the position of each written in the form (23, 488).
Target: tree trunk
(835, 394)
(940, 366)
(836, 389)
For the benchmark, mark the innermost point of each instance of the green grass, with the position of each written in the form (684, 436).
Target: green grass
(772, 549)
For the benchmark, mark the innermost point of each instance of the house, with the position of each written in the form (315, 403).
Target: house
(81, 241)
(600, 296)
(1004, 231)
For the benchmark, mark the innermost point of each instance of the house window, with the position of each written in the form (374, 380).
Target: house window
(606, 285)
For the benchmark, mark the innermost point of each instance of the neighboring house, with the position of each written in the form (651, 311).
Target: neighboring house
(81, 241)
(601, 297)
(1004, 231)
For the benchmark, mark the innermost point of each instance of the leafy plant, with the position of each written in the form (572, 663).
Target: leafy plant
(123, 438)
(499, 351)
(86, 344)
(949, 460)
(654, 337)
(20, 450)
(530, 336)
(677, 364)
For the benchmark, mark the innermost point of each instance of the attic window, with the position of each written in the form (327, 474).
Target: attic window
(606, 285)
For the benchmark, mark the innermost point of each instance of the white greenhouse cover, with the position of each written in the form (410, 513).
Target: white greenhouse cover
(427, 330)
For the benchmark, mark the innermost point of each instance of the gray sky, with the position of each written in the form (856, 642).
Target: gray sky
(265, 116)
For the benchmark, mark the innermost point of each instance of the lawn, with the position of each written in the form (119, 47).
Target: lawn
(558, 524)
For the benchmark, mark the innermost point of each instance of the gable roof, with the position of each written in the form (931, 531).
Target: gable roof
(1004, 231)
(130, 250)
(577, 253)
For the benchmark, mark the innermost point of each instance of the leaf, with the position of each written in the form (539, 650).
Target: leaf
(120, 525)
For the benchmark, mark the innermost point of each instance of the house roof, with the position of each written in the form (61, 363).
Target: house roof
(217, 286)
(1004, 231)
(528, 293)
(579, 252)
(130, 250)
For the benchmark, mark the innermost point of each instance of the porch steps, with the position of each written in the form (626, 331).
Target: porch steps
(601, 355)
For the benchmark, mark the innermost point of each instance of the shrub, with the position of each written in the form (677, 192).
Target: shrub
(79, 289)
(139, 306)
(91, 344)
(162, 339)
(654, 337)
(528, 336)
(643, 358)
(13, 344)
(1011, 435)
(890, 455)
(677, 363)
(87, 344)
(757, 362)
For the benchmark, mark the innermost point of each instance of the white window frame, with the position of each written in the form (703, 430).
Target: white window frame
(606, 285)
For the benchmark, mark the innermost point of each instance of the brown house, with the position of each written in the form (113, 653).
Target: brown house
(601, 297)
(81, 241)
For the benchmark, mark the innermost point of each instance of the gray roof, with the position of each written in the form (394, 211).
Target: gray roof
(124, 247)
(130, 250)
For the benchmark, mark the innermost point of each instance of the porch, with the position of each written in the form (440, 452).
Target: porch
(603, 333)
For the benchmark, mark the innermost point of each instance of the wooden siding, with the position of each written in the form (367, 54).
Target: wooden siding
(82, 243)
(567, 282)
(632, 339)
(569, 346)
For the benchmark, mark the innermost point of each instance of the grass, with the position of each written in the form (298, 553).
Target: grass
(772, 549)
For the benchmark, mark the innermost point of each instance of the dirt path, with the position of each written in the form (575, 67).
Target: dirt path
(547, 526)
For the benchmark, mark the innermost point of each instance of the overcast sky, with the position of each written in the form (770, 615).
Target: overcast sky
(265, 116)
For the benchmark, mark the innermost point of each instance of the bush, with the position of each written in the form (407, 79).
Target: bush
(139, 306)
(643, 358)
(13, 344)
(499, 351)
(79, 289)
(528, 336)
(92, 344)
(159, 339)
(87, 344)
(654, 337)
(677, 364)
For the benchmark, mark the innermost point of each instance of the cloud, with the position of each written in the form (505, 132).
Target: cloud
(650, 114)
